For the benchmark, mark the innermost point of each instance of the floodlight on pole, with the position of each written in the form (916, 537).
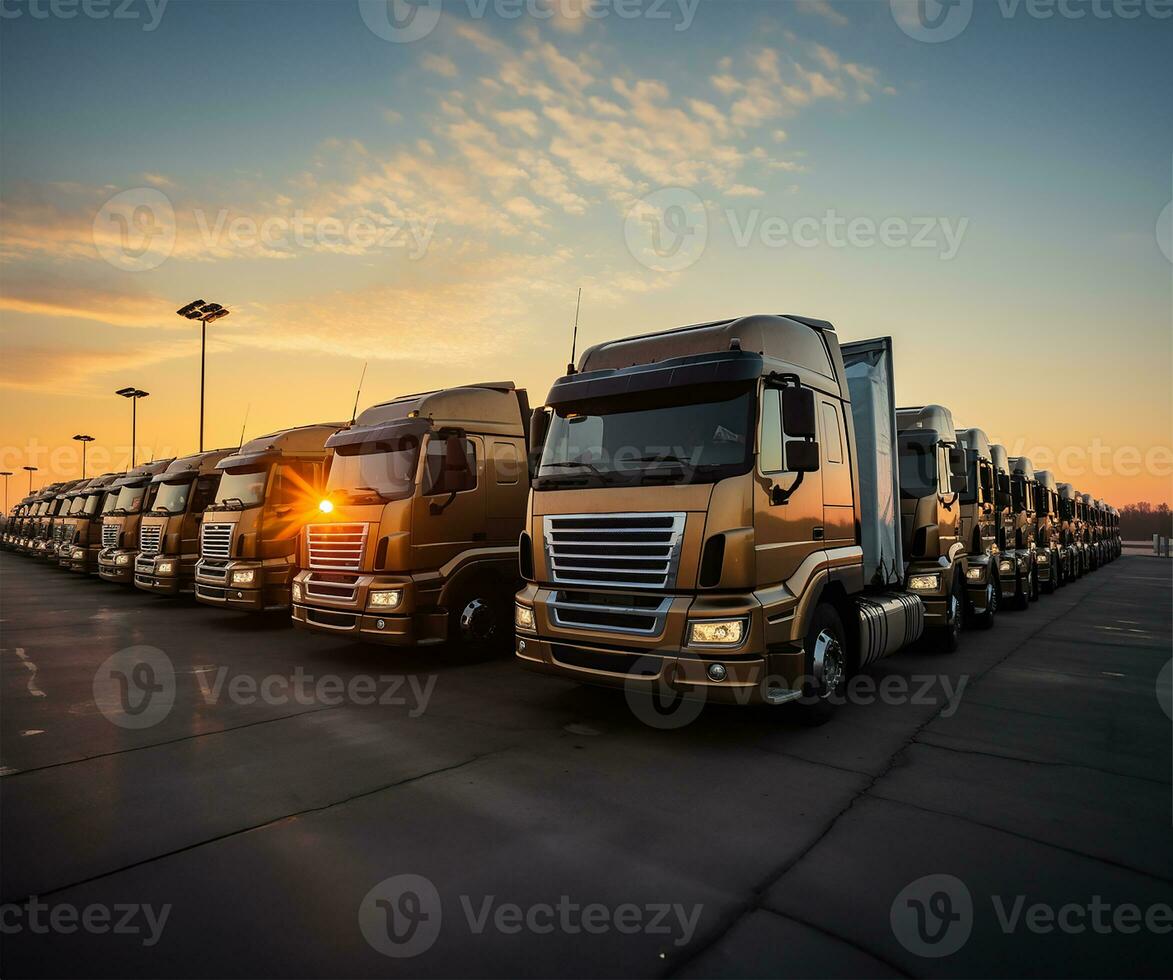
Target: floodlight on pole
(6, 474)
(205, 313)
(134, 394)
(31, 471)
(83, 440)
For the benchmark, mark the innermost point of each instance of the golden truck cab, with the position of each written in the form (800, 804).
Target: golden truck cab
(50, 502)
(269, 488)
(1026, 528)
(980, 521)
(1049, 555)
(1100, 510)
(932, 476)
(703, 521)
(26, 533)
(1070, 532)
(84, 512)
(1114, 528)
(169, 533)
(136, 495)
(416, 538)
(54, 528)
(1090, 531)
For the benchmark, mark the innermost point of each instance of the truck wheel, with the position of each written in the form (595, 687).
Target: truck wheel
(1049, 586)
(948, 637)
(1034, 585)
(825, 667)
(993, 600)
(479, 620)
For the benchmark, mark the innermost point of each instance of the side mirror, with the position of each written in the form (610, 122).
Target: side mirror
(958, 483)
(957, 462)
(802, 456)
(539, 428)
(798, 413)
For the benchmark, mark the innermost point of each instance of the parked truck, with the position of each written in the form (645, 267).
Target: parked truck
(1090, 531)
(1071, 554)
(169, 533)
(269, 488)
(416, 541)
(42, 520)
(136, 495)
(83, 513)
(1049, 552)
(716, 514)
(1026, 528)
(981, 518)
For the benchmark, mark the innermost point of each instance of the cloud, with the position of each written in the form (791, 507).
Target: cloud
(440, 64)
(823, 8)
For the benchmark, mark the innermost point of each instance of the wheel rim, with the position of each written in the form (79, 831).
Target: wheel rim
(954, 616)
(991, 599)
(477, 621)
(828, 663)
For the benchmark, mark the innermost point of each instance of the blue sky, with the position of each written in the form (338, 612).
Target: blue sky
(524, 151)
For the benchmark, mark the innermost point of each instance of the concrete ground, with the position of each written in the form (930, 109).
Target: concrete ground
(1002, 811)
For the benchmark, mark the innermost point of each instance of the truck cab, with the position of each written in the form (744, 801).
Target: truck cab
(1090, 531)
(416, 538)
(1048, 555)
(84, 511)
(1026, 522)
(269, 488)
(705, 524)
(169, 533)
(136, 495)
(932, 476)
(55, 502)
(1101, 520)
(1071, 545)
(980, 523)
(1117, 543)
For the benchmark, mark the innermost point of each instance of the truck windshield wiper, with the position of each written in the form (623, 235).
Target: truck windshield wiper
(359, 492)
(227, 502)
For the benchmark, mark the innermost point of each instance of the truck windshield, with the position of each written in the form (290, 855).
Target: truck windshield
(130, 499)
(374, 471)
(91, 504)
(242, 488)
(665, 437)
(110, 501)
(918, 466)
(173, 497)
(76, 505)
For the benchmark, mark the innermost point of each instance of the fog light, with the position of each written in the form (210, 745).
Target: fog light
(244, 576)
(380, 623)
(521, 646)
(165, 567)
(726, 632)
(976, 573)
(1005, 565)
(925, 583)
(717, 672)
(122, 559)
(523, 616)
(386, 599)
(240, 595)
(297, 592)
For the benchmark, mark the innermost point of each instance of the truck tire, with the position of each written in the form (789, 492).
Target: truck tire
(1034, 591)
(820, 698)
(985, 621)
(948, 637)
(479, 619)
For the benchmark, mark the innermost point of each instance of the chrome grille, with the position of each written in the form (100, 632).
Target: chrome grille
(336, 547)
(110, 535)
(633, 551)
(326, 586)
(149, 536)
(609, 612)
(215, 540)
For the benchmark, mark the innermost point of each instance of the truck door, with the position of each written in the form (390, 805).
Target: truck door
(506, 488)
(448, 514)
(838, 500)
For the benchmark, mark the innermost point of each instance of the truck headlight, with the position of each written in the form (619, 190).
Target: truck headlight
(1006, 565)
(244, 576)
(165, 567)
(385, 598)
(523, 617)
(296, 592)
(123, 559)
(78, 553)
(1042, 557)
(975, 573)
(925, 583)
(725, 632)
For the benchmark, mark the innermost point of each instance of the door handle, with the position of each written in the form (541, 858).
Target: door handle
(817, 534)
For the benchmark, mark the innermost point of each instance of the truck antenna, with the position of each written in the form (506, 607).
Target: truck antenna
(247, 409)
(362, 377)
(574, 337)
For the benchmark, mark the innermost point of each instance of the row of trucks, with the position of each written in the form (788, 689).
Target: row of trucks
(735, 510)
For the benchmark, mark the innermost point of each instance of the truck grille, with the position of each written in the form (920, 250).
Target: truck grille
(638, 551)
(149, 536)
(110, 535)
(610, 612)
(336, 547)
(215, 541)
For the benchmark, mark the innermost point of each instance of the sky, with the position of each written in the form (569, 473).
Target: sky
(424, 191)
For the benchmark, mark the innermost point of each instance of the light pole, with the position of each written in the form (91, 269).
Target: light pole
(6, 474)
(31, 471)
(83, 440)
(134, 394)
(205, 313)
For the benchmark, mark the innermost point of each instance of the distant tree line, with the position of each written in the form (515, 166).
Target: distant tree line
(1139, 522)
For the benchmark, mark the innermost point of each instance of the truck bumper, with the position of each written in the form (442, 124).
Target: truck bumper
(162, 575)
(977, 587)
(116, 566)
(344, 608)
(1013, 573)
(268, 590)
